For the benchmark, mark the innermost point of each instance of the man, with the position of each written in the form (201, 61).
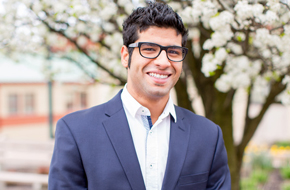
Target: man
(139, 140)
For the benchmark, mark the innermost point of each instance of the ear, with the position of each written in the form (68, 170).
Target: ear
(124, 56)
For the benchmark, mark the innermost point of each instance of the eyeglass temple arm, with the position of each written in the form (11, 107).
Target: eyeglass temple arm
(133, 45)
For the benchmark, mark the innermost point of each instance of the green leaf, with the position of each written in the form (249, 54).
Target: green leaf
(251, 40)
(268, 79)
(248, 90)
(276, 76)
(239, 38)
(217, 14)
(212, 73)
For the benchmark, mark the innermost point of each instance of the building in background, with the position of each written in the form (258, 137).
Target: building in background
(24, 95)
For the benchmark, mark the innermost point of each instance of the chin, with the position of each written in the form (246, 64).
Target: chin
(159, 93)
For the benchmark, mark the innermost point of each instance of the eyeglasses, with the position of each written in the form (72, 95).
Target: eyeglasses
(151, 50)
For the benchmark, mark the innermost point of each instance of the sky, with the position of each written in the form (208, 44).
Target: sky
(35, 68)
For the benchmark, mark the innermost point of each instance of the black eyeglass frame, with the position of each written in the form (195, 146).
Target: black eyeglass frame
(138, 44)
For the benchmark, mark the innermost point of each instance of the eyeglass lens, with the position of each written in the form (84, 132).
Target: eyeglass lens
(150, 50)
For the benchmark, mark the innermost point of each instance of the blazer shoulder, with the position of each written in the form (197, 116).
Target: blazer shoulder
(197, 122)
(186, 114)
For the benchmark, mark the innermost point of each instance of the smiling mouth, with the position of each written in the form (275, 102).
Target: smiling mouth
(158, 76)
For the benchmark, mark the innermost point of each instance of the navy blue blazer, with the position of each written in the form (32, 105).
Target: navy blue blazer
(94, 150)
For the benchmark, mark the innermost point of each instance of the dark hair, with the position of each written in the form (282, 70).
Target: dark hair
(155, 14)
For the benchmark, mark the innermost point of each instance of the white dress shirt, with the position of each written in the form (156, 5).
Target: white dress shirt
(151, 145)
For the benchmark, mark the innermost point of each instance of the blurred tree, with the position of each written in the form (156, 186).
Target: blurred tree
(233, 45)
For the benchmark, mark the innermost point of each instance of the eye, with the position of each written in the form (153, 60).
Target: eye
(148, 49)
(174, 52)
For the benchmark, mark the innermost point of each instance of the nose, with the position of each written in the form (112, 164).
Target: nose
(162, 61)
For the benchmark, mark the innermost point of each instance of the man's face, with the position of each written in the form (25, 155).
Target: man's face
(152, 78)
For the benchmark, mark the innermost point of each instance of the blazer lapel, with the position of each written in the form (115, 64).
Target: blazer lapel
(118, 131)
(178, 143)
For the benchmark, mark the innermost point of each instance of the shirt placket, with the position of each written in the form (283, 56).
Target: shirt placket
(151, 160)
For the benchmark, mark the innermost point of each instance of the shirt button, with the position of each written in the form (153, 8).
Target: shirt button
(151, 166)
(150, 132)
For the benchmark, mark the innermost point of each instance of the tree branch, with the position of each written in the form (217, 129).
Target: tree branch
(122, 81)
(225, 6)
(251, 124)
(285, 4)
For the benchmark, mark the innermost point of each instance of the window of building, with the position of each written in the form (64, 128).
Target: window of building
(29, 106)
(13, 104)
(69, 102)
(76, 101)
(83, 100)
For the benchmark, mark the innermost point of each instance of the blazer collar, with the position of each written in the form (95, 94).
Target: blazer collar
(117, 128)
(178, 143)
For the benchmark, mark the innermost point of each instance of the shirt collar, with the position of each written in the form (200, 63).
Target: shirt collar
(134, 107)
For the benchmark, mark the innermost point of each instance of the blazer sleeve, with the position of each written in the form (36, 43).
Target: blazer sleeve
(66, 168)
(219, 177)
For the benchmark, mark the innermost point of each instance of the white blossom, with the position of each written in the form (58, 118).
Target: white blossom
(59, 7)
(109, 11)
(243, 10)
(37, 7)
(255, 68)
(82, 41)
(220, 38)
(286, 29)
(223, 84)
(286, 80)
(220, 21)
(274, 5)
(108, 27)
(209, 9)
(235, 48)
(266, 53)
(186, 14)
(257, 9)
(208, 44)
(241, 80)
(271, 16)
(94, 37)
(285, 97)
(123, 2)
(176, 6)
(81, 27)
(240, 36)
(129, 8)
(209, 64)
(221, 54)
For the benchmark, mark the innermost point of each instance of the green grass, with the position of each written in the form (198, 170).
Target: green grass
(286, 186)
(248, 184)
(262, 162)
(257, 177)
(283, 143)
(285, 172)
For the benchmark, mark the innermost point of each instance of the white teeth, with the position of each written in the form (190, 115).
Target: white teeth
(158, 76)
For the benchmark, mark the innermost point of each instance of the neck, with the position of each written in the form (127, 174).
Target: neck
(155, 105)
